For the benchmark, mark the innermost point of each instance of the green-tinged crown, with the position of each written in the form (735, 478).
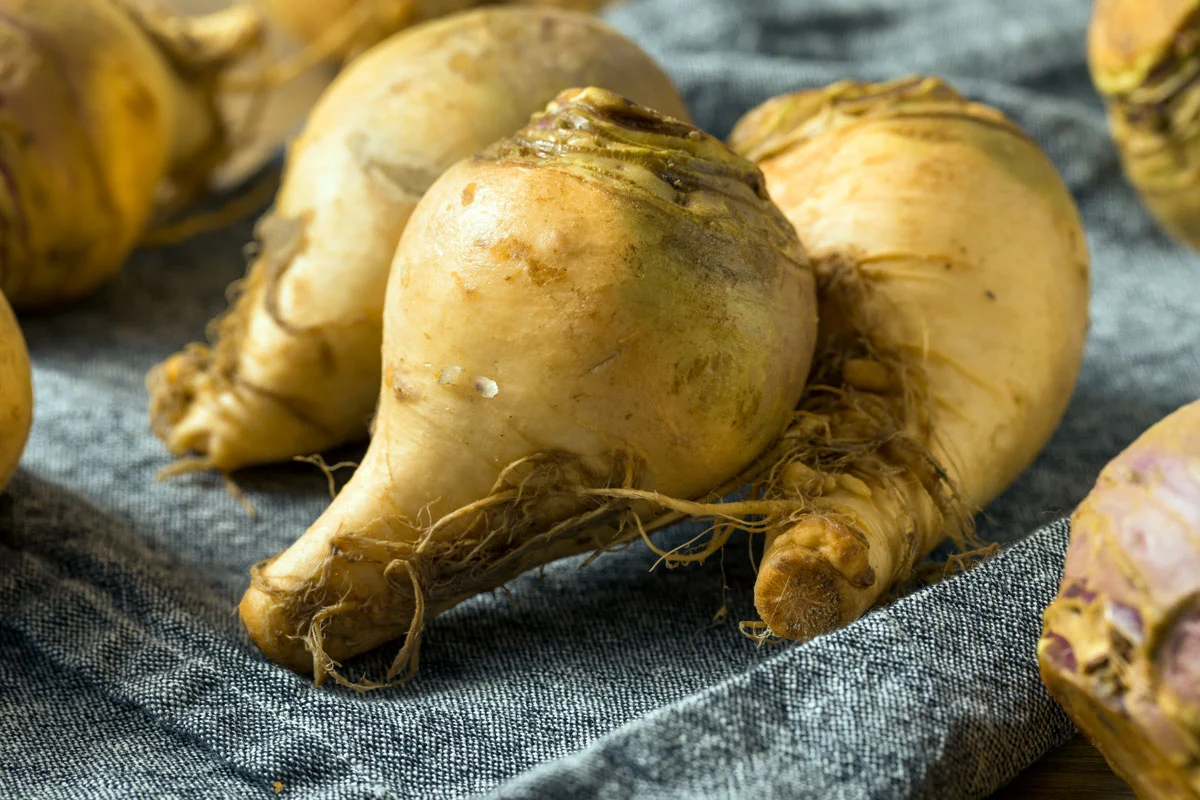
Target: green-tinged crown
(790, 120)
(602, 137)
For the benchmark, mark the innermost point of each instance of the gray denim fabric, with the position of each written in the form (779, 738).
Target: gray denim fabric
(124, 672)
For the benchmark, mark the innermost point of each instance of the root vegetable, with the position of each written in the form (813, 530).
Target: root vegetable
(355, 25)
(953, 285)
(346, 27)
(16, 394)
(105, 103)
(295, 366)
(606, 301)
(1121, 645)
(1144, 57)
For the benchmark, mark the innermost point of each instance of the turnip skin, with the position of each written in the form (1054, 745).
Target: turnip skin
(953, 280)
(16, 394)
(1121, 643)
(294, 368)
(108, 104)
(360, 24)
(1142, 55)
(607, 300)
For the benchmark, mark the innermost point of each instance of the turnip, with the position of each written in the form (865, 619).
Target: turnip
(16, 393)
(1143, 60)
(1121, 647)
(953, 286)
(606, 301)
(108, 107)
(295, 365)
(341, 28)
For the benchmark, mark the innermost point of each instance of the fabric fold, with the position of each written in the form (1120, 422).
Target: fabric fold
(124, 671)
(919, 699)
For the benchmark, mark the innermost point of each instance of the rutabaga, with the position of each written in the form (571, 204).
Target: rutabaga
(16, 394)
(605, 303)
(108, 106)
(1121, 647)
(343, 28)
(953, 280)
(1144, 57)
(295, 365)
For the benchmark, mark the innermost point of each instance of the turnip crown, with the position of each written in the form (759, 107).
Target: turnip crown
(604, 138)
(792, 120)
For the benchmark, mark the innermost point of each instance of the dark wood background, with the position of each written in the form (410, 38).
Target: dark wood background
(1075, 771)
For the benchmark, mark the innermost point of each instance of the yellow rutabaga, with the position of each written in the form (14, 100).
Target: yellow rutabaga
(1121, 646)
(606, 301)
(16, 394)
(345, 27)
(953, 285)
(106, 104)
(295, 365)
(1145, 61)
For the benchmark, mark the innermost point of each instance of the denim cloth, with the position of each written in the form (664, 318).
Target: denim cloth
(124, 671)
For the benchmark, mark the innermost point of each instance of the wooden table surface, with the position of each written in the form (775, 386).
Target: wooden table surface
(1075, 771)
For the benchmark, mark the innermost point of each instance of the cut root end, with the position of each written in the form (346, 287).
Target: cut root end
(799, 595)
(173, 386)
(857, 477)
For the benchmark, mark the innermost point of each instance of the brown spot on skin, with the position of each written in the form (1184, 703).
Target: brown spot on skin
(990, 294)
(686, 373)
(465, 66)
(549, 29)
(469, 291)
(392, 380)
(140, 104)
(541, 273)
(697, 369)
(748, 405)
(468, 194)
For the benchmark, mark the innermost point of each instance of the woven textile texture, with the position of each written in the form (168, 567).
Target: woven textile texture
(124, 671)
